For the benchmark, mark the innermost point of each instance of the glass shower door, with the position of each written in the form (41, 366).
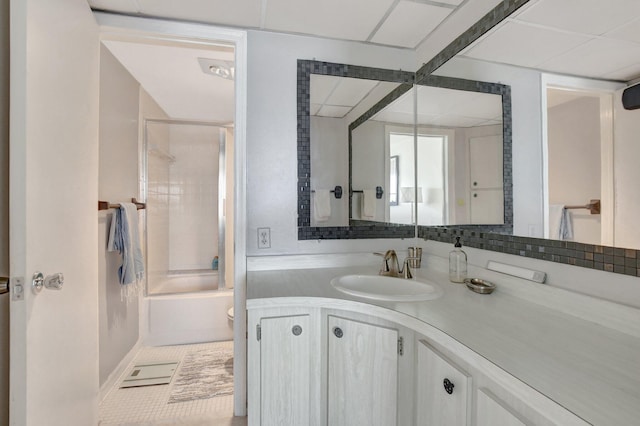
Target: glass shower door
(184, 186)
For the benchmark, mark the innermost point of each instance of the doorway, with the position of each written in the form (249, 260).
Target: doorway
(190, 217)
(577, 117)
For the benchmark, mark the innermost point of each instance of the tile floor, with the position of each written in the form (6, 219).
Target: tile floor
(147, 406)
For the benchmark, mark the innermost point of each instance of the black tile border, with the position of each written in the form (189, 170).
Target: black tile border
(619, 260)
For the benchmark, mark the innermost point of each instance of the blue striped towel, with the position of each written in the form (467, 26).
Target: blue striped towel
(124, 237)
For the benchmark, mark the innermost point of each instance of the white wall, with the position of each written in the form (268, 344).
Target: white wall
(271, 132)
(193, 200)
(527, 138)
(118, 181)
(330, 165)
(4, 208)
(403, 147)
(627, 175)
(574, 162)
(368, 148)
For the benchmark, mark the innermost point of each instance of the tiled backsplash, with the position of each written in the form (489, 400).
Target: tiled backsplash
(603, 258)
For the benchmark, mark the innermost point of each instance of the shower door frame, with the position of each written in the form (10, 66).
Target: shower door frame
(222, 190)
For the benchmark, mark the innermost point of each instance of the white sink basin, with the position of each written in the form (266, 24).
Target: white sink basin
(379, 287)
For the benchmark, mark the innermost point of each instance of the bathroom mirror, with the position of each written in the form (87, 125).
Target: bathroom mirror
(463, 175)
(568, 87)
(327, 150)
(363, 129)
(382, 161)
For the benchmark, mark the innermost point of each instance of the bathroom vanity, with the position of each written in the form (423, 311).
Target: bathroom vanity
(318, 356)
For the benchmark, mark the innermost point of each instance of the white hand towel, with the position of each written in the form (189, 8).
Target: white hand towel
(368, 204)
(322, 205)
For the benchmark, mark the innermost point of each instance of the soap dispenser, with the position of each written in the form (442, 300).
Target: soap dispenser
(457, 263)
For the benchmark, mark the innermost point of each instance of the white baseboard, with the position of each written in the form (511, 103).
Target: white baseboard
(119, 371)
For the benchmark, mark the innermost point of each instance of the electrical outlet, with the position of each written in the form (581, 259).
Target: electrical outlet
(264, 238)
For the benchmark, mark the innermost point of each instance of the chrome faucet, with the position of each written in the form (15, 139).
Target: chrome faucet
(394, 270)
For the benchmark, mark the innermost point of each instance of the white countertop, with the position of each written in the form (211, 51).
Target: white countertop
(591, 370)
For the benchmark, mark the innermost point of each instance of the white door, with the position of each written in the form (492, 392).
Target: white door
(363, 374)
(53, 211)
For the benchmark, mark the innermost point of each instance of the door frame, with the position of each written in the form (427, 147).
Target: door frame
(605, 90)
(118, 26)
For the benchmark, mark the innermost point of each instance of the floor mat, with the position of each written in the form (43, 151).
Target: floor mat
(150, 374)
(203, 374)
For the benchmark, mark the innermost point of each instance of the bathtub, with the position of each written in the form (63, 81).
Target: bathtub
(176, 319)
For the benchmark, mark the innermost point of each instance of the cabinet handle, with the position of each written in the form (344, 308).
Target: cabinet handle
(448, 386)
(475, 183)
(296, 330)
(475, 195)
(337, 331)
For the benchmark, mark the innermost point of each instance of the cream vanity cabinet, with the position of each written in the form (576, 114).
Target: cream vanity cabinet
(322, 366)
(443, 390)
(456, 387)
(327, 367)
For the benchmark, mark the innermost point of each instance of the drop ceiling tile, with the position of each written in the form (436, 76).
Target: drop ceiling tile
(453, 121)
(321, 87)
(125, 6)
(524, 45)
(438, 101)
(314, 108)
(409, 23)
(333, 111)
(628, 32)
(583, 16)
(394, 117)
(596, 58)
(244, 13)
(350, 20)
(350, 91)
(629, 73)
(480, 105)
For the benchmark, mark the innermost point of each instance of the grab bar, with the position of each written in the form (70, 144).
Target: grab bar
(4, 285)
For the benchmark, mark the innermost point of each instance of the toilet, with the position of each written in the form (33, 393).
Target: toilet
(230, 314)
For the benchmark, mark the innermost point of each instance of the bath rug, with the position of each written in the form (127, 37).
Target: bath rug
(204, 374)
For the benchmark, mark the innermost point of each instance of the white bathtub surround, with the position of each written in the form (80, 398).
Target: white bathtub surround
(187, 318)
(150, 405)
(586, 367)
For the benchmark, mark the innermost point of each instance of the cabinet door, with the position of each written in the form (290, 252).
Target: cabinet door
(363, 373)
(493, 412)
(443, 390)
(284, 371)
